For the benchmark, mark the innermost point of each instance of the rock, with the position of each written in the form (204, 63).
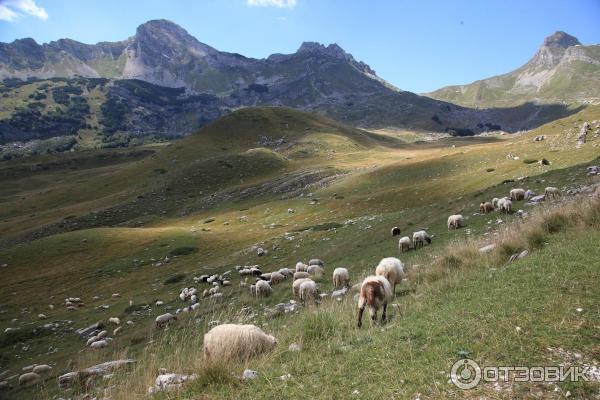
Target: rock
(90, 329)
(69, 379)
(537, 199)
(294, 347)
(488, 248)
(523, 254)
(29, 379)
(170, 382)
(249, 374)
(593, 170)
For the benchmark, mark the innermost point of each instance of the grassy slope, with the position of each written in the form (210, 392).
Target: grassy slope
(409, 185)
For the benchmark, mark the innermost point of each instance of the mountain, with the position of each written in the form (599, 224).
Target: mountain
(163, 83)
(562, 70)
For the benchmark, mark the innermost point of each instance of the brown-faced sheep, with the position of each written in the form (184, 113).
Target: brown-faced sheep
(420, 239)
(236, 342)
(455, 221)
(517, 194)
(263, 289)
(486, 207)
(296, 286)
(341, 278)
(404, 244)
(375, 292)
(551, 192)
(300, 275)
(396, 231)
(391, 269)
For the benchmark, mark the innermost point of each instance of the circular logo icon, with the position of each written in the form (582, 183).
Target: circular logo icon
(465, 374)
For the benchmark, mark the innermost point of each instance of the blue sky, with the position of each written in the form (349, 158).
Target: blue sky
(415, 45)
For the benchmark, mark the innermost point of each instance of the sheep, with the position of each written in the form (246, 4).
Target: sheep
(42, 369)
(301, 267)
(551, 191)
(117, 331)
(296, 285)
(404, 244)
(455, 221)
(505, 205)
(164, 320)
(486, 207)
(308, 291)
(316, 261)
(529, 194)
(263, 289)
(391, 269)
(277, 277)
(288, 273)
(315, 270)
(266, 276)
(420, 238)
(375, 292)
(28, 379)
(300, 275)
(236, 342)
(517, 194)
(495, 201)
(100, 344)
(114, 320)
(341, 278)
(396, 231)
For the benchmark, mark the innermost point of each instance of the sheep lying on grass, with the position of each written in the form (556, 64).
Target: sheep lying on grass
(236, 342)
(404, 244)
(341, 278)
(455, 221)
(517, 194)
(391, 269)
(375, 292)
(551, 192)
(420, 238)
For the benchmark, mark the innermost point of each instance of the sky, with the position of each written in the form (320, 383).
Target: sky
(415, 45)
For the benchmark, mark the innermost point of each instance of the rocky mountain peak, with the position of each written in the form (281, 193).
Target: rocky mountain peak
(560, 39)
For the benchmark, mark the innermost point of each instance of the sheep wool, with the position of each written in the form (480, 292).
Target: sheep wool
(341, 278)
(236, 342)
(391, 269)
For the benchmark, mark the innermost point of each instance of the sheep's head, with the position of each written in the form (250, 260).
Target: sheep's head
(272, 340)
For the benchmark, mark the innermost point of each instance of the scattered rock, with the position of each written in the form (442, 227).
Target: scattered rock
(69, 379)
(488, 248)
(249, 374)
(294, 347)
(170, 382)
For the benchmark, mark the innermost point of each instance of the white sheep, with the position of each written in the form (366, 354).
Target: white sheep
(391, 269)
(42, 369)
(286, 272)
(404, 244)
(28, 379)
(551, 191)
(455, 221)
(296, 286)
(375, 292)
(301, 267)
(341, 278)
(100, 344)
(505, 205)
(517, 194)
(277, 277)
(315, 270)
(308, 291)
(236, 342)
(114, 320)
(495, 201)
(164, 320)
(263, 289)
(421, 238)
(300, 275)
(316, 261)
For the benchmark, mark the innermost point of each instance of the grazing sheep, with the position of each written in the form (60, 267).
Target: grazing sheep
(517, 194)
(455, 221)
(404, 244)
(288, 273)
(396, 231)
(266, 276)
(100, 344)
(341, 278)
(301, 267)
(505, 205)
(114, 320)
(263, 289)
(296, 286)
(277, 277)
(420, 238)
(308, 291)
(236, 342)
(529, 194)
(316, 261)
(315, 270)
(117, 331)
(495, 201)
(164, 320)
(486, 207)
(391, 269)
(300, 275)
(375, 292)
(551, 191)
(42, 369)
(28, 379)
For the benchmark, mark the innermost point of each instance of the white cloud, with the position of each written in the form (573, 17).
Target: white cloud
(272, 3)
(11, 10)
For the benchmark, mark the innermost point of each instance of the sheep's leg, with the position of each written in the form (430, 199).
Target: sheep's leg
(360, 314)
(373, 312)
(383, 315)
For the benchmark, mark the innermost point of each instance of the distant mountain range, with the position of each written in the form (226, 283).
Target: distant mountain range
(562, 70)
(163, 83)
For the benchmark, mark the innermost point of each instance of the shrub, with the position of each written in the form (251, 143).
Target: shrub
(490, 169)
(183, 251)
(530, 160)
